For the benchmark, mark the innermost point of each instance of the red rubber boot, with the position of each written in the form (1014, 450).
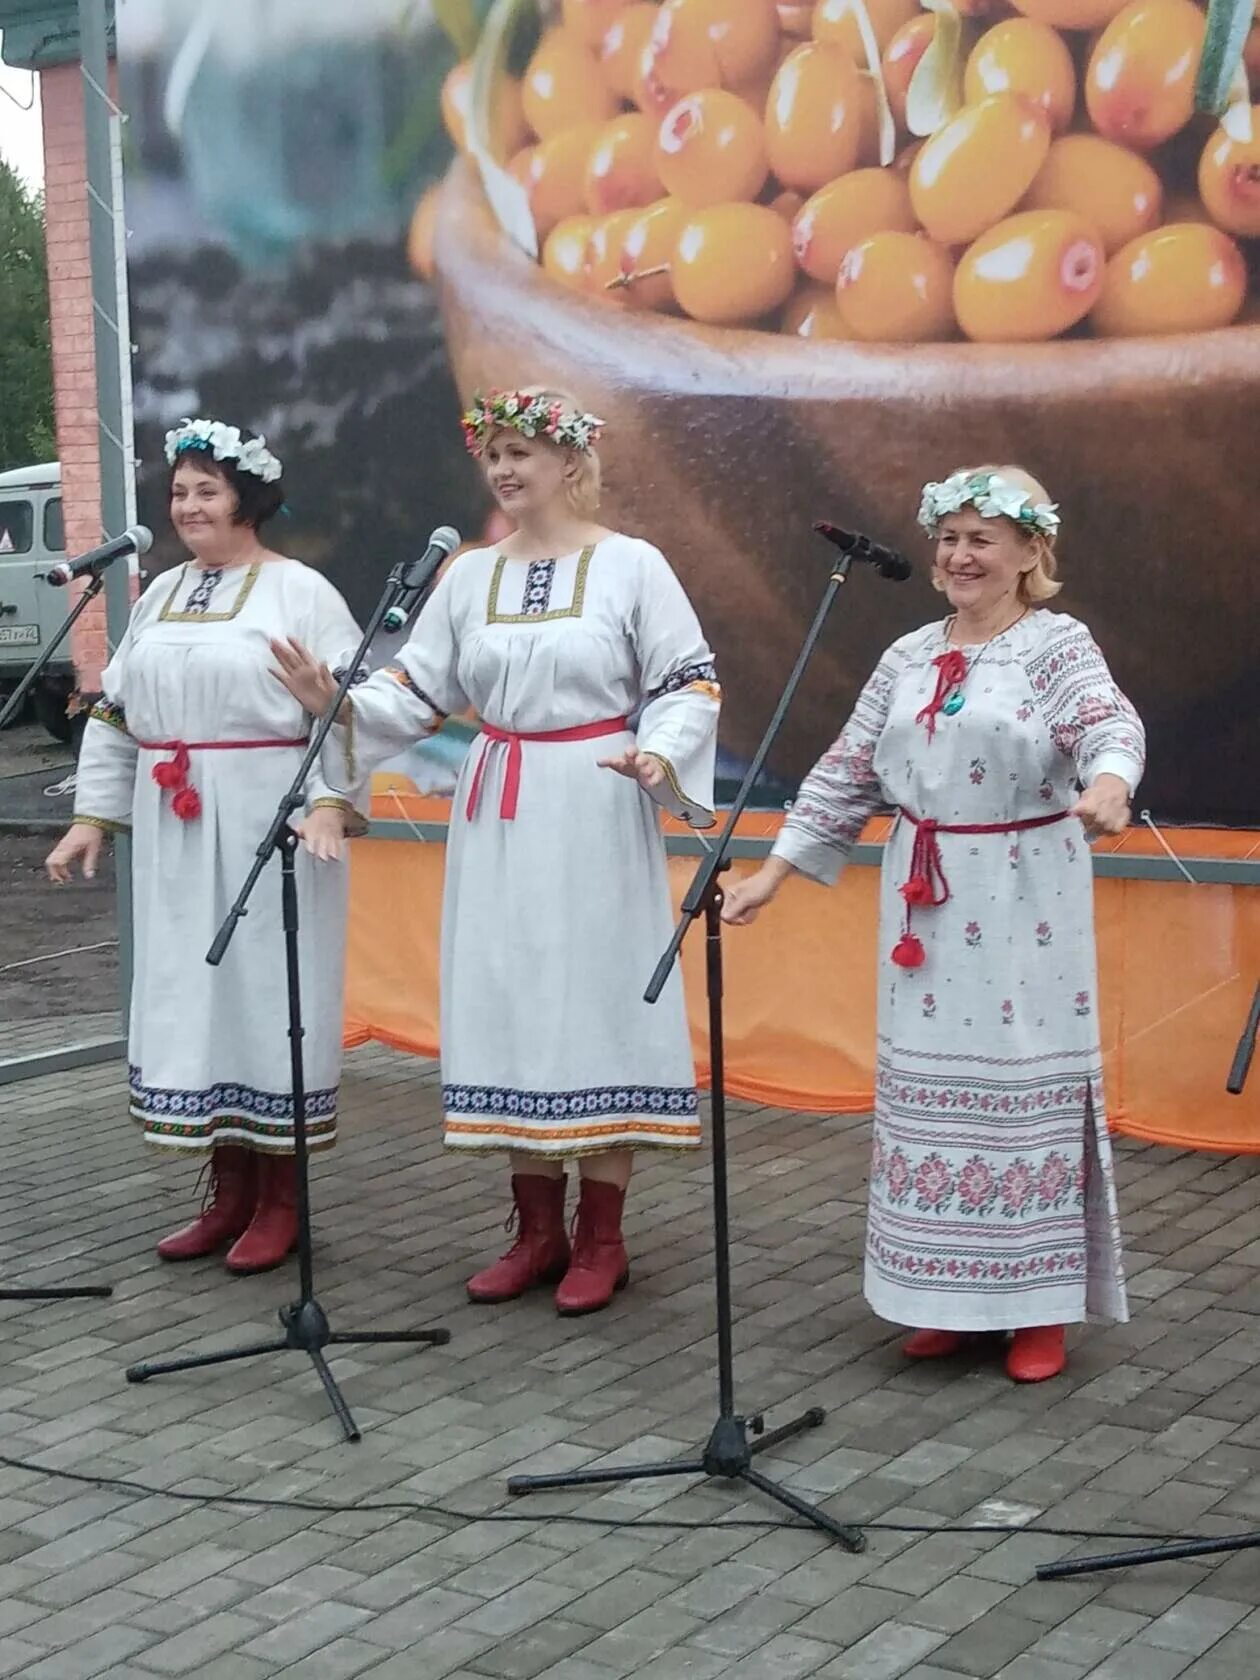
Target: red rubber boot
(272, 1233)
(226, 1211)
(599, 1267)
(540, 1253)
(1037, 1354)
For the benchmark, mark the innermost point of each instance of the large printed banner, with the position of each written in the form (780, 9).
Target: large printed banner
(800, 256)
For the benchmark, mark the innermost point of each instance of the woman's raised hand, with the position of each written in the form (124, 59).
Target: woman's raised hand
(642, 767)
(309, 681)
(81, 844)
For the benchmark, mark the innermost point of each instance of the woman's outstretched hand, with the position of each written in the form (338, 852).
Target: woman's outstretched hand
(323, 832)
(81, 844)
(1104, 807)
(743, 900)
(642, 767)
(307, 679)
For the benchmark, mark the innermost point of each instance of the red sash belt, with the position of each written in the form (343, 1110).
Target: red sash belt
(171, 773)
(926, 887)
(512, 779)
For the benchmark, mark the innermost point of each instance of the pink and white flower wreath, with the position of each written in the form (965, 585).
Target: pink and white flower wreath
(531, 416)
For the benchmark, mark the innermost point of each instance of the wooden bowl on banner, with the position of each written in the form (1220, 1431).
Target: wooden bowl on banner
(724, 446)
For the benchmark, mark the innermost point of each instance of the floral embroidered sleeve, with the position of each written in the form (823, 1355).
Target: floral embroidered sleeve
(681, 697)
(404, 701)
(1090, 720)
(843, 789)
(105, 775)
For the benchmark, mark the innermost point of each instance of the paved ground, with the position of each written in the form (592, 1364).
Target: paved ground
(1154, 1429)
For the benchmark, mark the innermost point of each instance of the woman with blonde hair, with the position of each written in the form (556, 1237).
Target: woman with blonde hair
(556, 902)
(1003, 744)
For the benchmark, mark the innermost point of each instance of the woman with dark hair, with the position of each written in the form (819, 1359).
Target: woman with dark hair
(192, 746)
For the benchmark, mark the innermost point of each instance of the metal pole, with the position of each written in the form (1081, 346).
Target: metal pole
(112, 356)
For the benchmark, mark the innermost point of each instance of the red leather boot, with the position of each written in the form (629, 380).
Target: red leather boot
(226, 1211)
(540, 1253)
(272, 1233)
(934, 1344)
(1036, 1354)
(599, 1267)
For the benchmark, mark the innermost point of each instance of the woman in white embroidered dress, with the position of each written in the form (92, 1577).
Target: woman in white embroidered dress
(992, 1198)
(556, 902)
(192, 747)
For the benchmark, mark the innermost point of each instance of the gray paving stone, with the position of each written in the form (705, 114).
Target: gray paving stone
(887, 1653)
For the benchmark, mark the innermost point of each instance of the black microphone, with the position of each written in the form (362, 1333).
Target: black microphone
(137, 539)
(418, 575)
(886, 561)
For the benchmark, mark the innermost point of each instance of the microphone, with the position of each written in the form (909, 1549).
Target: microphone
(886, 561)
(138, 539)
(417, 575)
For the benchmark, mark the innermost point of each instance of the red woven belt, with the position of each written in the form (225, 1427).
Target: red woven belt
(510, 796)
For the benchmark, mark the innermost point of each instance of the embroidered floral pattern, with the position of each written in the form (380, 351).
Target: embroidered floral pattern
(202, 595)
(686, 676)
(977, 1186)
(570, 1105)
(971, 933)
(933, 1184)
(246, 1101)
(929, 1006)
(538, 581)
(1008, 1012)
(1044, 933)
(360, 676)
(1082, 1003)
(978, 771)
(1046, 791)
(1013, 1188)
(111, 713)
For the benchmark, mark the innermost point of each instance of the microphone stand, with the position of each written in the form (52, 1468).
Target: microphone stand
(10, 709)
(305, 1323)
(728, 1453)
(1177, 1548)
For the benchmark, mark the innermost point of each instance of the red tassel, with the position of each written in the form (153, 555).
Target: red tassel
(167, 773)
(908, 952)
(917, 890)
(187, 804)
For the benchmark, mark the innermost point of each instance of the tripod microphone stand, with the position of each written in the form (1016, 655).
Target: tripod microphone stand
(10, 710)
(728, 1452)
(304, 1321)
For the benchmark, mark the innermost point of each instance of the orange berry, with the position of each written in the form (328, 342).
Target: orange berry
(679, 59)
(814, 313)
(733, 263)
(421, 233)
(744, 34)
(555, 175)
(563, 85)
(1139, 87)
(649, 243)
(814, 116)
(622, 47)
(1229, 179)
(975, 169)
(1028, 58)
(1070, 14)
(711, 149)
(508, 130)
(1031, 277)
(1113, 188)
(795, 18)
(846, 211)
(1186, 277)
(564, 251)
(590, 20)
(894, 288)
(602, 262)
(901, 60)
(836, 21)
(621, 173)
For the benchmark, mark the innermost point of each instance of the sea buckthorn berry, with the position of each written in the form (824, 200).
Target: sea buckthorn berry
(1070, 14)
(846, 211)
(813, 312)
(1109, 185)
(679, 59)
(564, 251)
(711, 149)
(1229, 179)
(649, 244)
(508, 129)
(563, 85)
(590, 20)
(1031, 277)
(894, 288)
(1184, 277)
(836, 21)
(1028, 58)
(553, 174)
(602, 262)
(814, 116)
(732, 264)
(901, 60)
(975, 169)
(621, 172)
(621, 48)
(744, 34)
(1139, 87)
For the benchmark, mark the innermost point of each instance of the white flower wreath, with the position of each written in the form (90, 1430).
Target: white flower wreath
(992, 496)
(225, 444)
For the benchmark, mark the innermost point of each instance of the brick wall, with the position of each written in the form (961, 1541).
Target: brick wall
(74, 362)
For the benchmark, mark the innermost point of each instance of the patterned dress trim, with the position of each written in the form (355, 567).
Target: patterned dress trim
(404, 680)
(106, 823)
(566, 1105)
(536, 599)
(190, 616)
(111, 713)
(270, 1109)
(701, 676)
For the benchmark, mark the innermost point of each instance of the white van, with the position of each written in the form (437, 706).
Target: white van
(32, 538)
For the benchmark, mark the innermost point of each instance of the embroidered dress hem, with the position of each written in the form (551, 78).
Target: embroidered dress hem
(535, 1123)
(197, 1121)
(321, 1136)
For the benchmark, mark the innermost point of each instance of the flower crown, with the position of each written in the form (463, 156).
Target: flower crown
(225, 443)
(532, 417)
(992, 496)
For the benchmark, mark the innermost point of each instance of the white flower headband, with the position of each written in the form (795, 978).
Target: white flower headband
(992, 496)
(532, 417)
(225, 444)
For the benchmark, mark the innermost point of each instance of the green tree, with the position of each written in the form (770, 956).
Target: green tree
(27, 432)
